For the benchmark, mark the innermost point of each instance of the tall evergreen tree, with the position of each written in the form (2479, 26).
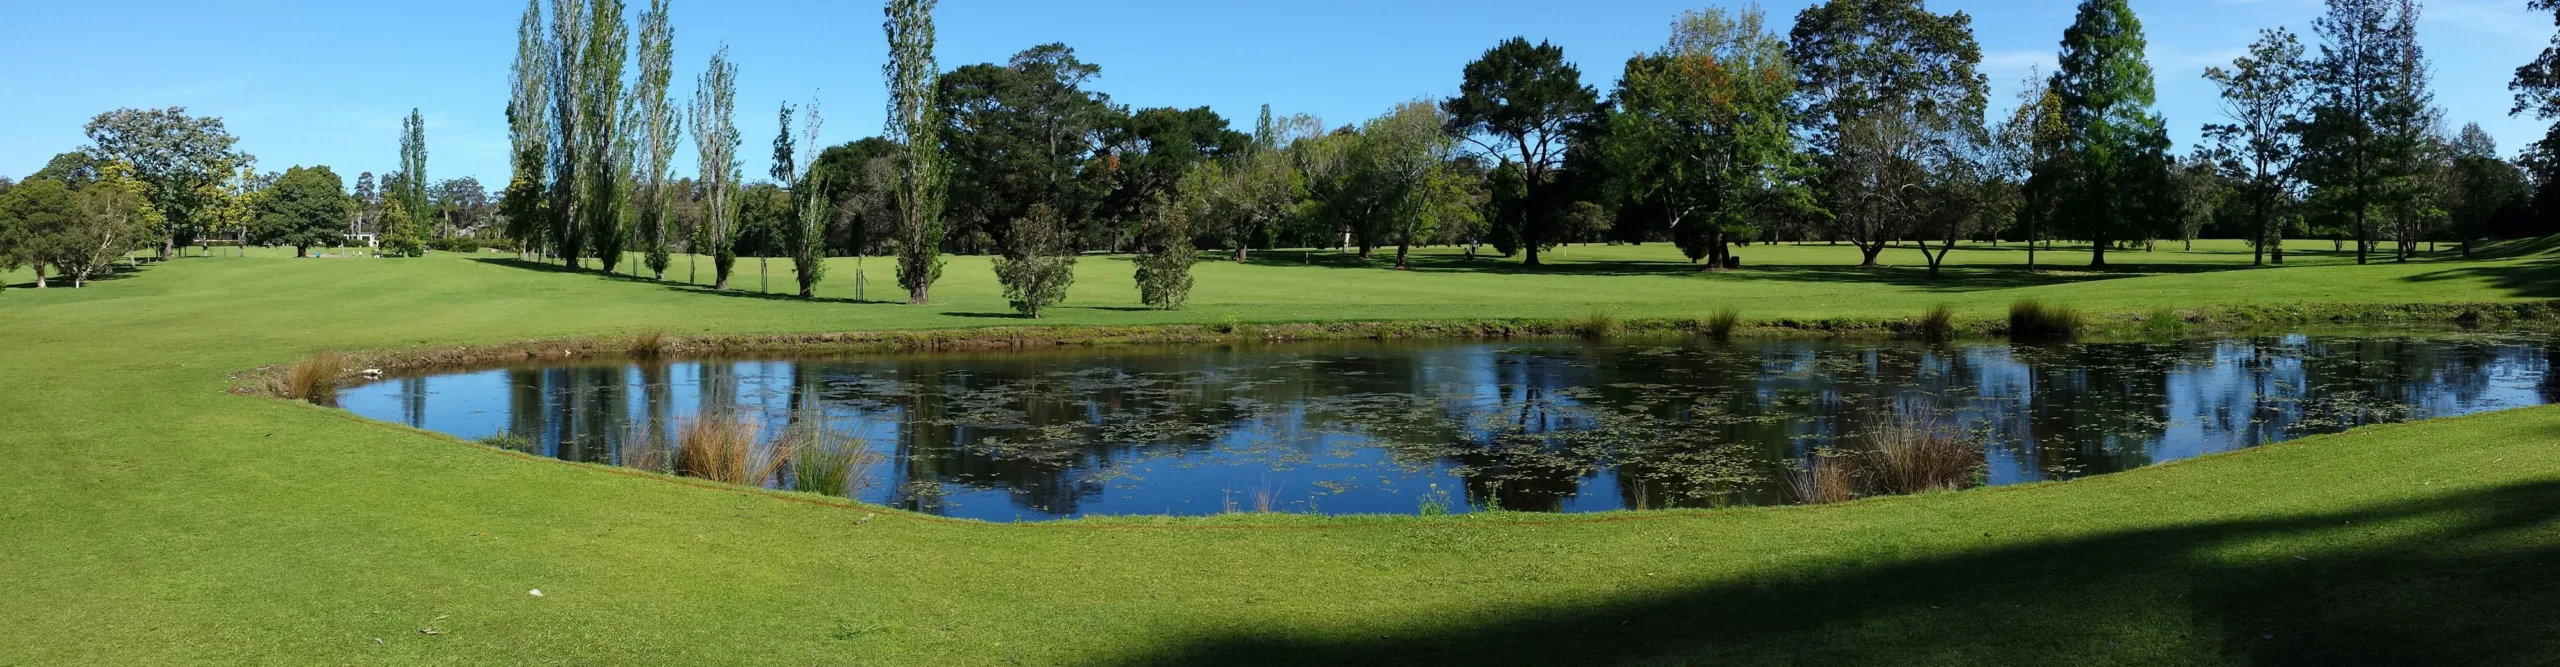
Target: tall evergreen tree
(2351, 152)
(2119, 147)
(912, 123)
(1522, 102)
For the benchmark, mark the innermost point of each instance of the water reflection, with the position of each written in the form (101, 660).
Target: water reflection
(1562, 427)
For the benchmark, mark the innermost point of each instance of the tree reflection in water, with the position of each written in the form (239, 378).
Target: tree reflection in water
(1368, 427)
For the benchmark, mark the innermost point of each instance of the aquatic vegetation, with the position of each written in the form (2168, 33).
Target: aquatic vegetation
(649, 344)
(723, 448)
(1913, 454)
(2163, 321)
(2031, 320)
(1938, 324)
(1719, 325)
(314, 378)
(1593, 325)
(508, 441)
(1829, 476)
(1434, 502)
(825, 460)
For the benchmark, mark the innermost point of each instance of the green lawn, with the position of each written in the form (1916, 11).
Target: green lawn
(153, 518)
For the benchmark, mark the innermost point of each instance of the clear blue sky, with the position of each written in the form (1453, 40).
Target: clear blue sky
(313, 82)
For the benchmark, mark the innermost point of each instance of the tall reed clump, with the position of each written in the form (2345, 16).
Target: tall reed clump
(830, 462)
(1720, 325)
(1594, 325)
(1915, 455)
(723, 448)
(648, 446)
(1829, 477)
(1939, 324)
(2030, 320)
(648, 344)
(314, 378)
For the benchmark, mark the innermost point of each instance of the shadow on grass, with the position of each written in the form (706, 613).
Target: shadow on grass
(120, 272)
(2537, 278)
(679, 286)
(2464, 579)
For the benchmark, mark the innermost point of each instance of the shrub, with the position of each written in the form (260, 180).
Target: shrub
(1038, 263)
(1720, 325)
(2030, 320)
(1594, 325)
(462, 244)
(1936, 325)
(314, 378)
(1164, 268)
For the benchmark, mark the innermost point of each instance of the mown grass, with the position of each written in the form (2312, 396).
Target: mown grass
(154, 518)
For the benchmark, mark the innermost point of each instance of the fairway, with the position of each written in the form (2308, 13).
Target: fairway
(156, 518)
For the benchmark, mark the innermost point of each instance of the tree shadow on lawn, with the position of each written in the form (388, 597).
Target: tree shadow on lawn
(2537, 278)
(2466, 579)
(1958, 277)
(678, 286)
(64, 282)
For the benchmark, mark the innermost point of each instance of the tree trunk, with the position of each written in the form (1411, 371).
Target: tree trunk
(1401, 249)
(301, 251)
(1240, 255)
(2098, 253)
(1867, 254)
(39, 275)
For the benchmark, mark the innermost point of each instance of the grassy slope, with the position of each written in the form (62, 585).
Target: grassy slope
(151, 517)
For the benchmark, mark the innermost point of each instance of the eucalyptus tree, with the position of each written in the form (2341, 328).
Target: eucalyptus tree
(171, 156)
(2537, 90)
(1522, 102)
(913, 122)
(660, 130)
(528, 134)
(1411, 159)
(2119, 148)
(1872, 76)
(715, 142)
(1245, 198)
(1701, 131)
(2262, 97)
(604, 164)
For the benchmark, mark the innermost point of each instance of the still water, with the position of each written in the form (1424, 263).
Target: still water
(1377, 427)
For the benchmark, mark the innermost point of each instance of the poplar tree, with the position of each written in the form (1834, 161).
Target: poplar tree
(659, 132)
(912, 122)
(606, 150)
(528, 133)
(715, 142)
(569, 34)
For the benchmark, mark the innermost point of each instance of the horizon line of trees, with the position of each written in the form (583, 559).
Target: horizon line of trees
(1864, 122)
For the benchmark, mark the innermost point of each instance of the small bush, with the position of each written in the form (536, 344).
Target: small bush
(2030, 320)
(314, 378)
(1936, 325)
(1594, 325)
(461, 244)
(1434, 502)
(1720, 325)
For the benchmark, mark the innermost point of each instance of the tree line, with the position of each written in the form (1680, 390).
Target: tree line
(1865, 122)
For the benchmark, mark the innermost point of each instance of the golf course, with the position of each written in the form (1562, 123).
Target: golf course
(158, 512)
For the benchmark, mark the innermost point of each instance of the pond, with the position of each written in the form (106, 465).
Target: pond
(1406, 427)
